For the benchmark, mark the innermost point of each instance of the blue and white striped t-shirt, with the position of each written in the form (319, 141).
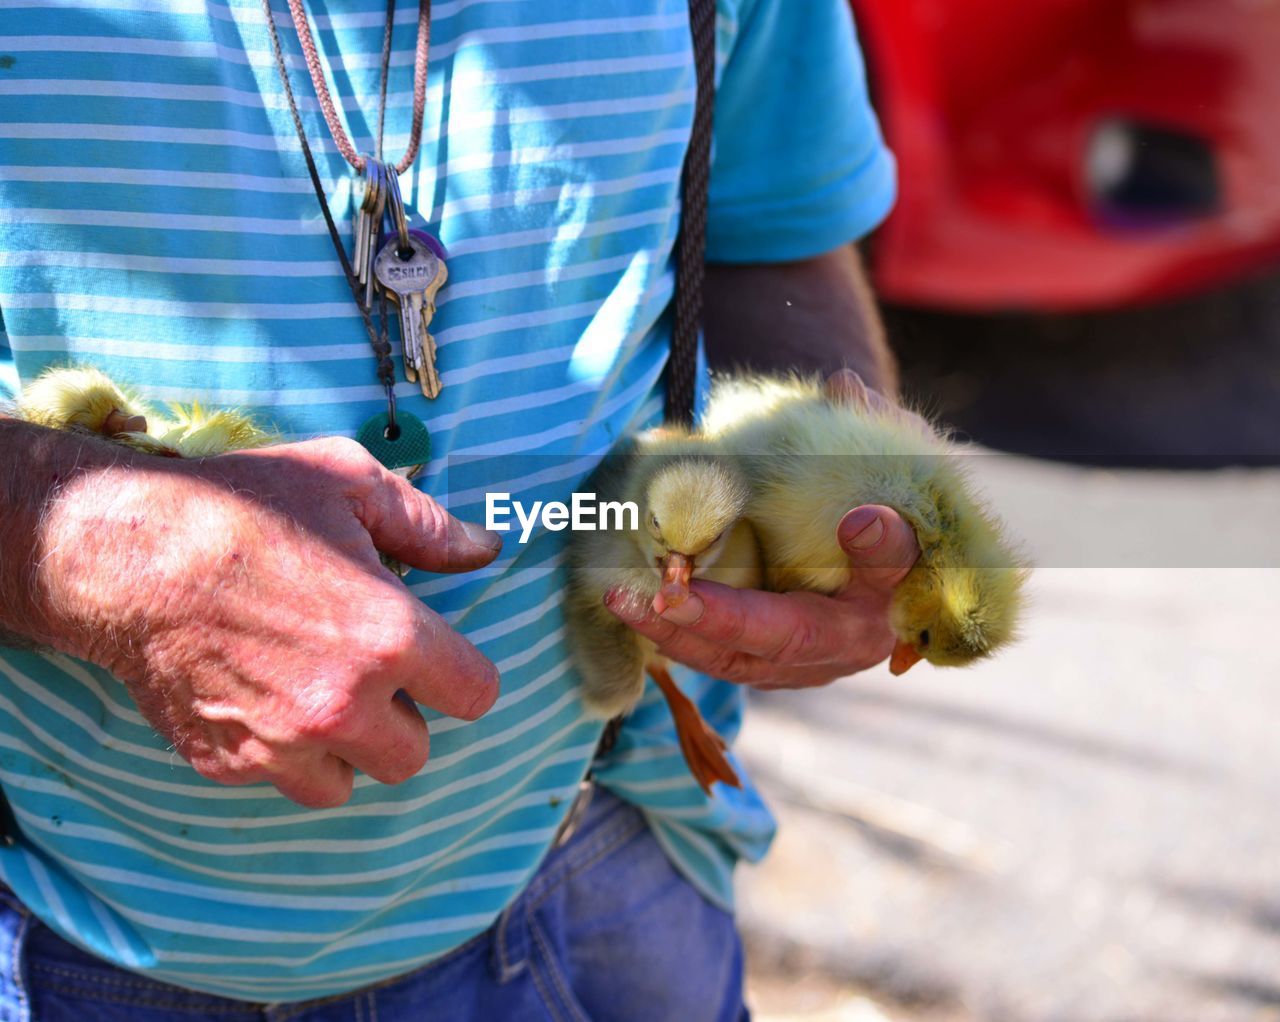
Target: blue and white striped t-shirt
(156, 220)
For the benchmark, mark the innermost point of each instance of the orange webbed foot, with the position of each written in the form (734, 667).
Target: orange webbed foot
(703, 749)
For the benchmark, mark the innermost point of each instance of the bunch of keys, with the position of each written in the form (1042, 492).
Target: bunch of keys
(410, 267)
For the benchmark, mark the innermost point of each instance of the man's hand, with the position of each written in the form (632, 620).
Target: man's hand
(790, 640)
(242, 601)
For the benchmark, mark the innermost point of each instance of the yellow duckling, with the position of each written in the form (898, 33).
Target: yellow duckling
(85, 399)
(689, 526)
(811, 458)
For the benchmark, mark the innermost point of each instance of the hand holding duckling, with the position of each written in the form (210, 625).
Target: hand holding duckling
(865, 531)
(789, 640)
(796, 639)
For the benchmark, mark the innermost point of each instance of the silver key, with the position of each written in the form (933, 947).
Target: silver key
(413, 282)
(359, 255)
(377, 204)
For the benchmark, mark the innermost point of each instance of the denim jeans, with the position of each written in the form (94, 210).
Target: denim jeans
(606, 930)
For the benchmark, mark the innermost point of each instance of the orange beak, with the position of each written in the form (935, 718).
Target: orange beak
(904, 657)
(118, 422)
(677, 569)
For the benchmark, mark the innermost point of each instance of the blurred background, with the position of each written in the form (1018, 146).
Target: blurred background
(1082, 277)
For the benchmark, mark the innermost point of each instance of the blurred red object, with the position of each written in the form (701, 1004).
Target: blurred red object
(1075, 153)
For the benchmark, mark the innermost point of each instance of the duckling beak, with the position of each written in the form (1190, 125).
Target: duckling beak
(905, 655)
(118, 422)
(677, 569)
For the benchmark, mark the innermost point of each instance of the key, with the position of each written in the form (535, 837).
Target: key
(408, 326)
(377, 205)
(427, 343)
(357, 228)
(414, 281)
(359, 256)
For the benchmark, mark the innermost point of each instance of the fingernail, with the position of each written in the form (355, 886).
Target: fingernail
(625, 604)
(687, 613)
(868, 536)
(486, 697)
(481, 536)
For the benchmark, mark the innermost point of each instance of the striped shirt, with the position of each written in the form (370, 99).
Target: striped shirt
(156, 220)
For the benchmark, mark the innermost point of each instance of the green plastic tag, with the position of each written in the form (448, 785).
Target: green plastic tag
(412, 447)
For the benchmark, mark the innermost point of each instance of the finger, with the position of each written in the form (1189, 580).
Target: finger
(715, 659)
(392, 748)
(446, 672)
(789, 630)
(733, 665)
(785, 628)
(846, 387)
(229, 753)
(411, 527)
(322, 782)
(881, 547)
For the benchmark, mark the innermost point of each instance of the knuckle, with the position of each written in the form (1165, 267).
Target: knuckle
(342, 449)
(797, 644)
(320, 796)
(394, 637)
(329, 712)
(346, 457)
(727, 664)
(404, 760)
(222, 770)
(660, 631)
(431, 520)
(728, 626)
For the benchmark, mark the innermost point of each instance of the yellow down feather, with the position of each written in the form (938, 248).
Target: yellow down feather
(809, 460)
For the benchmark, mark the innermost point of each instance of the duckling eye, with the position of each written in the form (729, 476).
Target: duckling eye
(653, 523)
(924, 637)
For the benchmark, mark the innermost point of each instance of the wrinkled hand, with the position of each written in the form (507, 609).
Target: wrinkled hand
(242, 601)
(793, 640)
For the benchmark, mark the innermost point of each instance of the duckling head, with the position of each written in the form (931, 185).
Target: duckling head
(80, 398)
(961, 602)
(690, 507)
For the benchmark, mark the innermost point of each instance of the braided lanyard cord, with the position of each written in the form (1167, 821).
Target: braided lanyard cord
(682, 365)
(336, 129)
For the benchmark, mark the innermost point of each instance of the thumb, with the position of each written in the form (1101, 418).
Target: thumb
(880, 544)
(410, 526)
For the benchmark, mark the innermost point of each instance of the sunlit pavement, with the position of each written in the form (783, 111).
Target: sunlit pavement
(1086, 829)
